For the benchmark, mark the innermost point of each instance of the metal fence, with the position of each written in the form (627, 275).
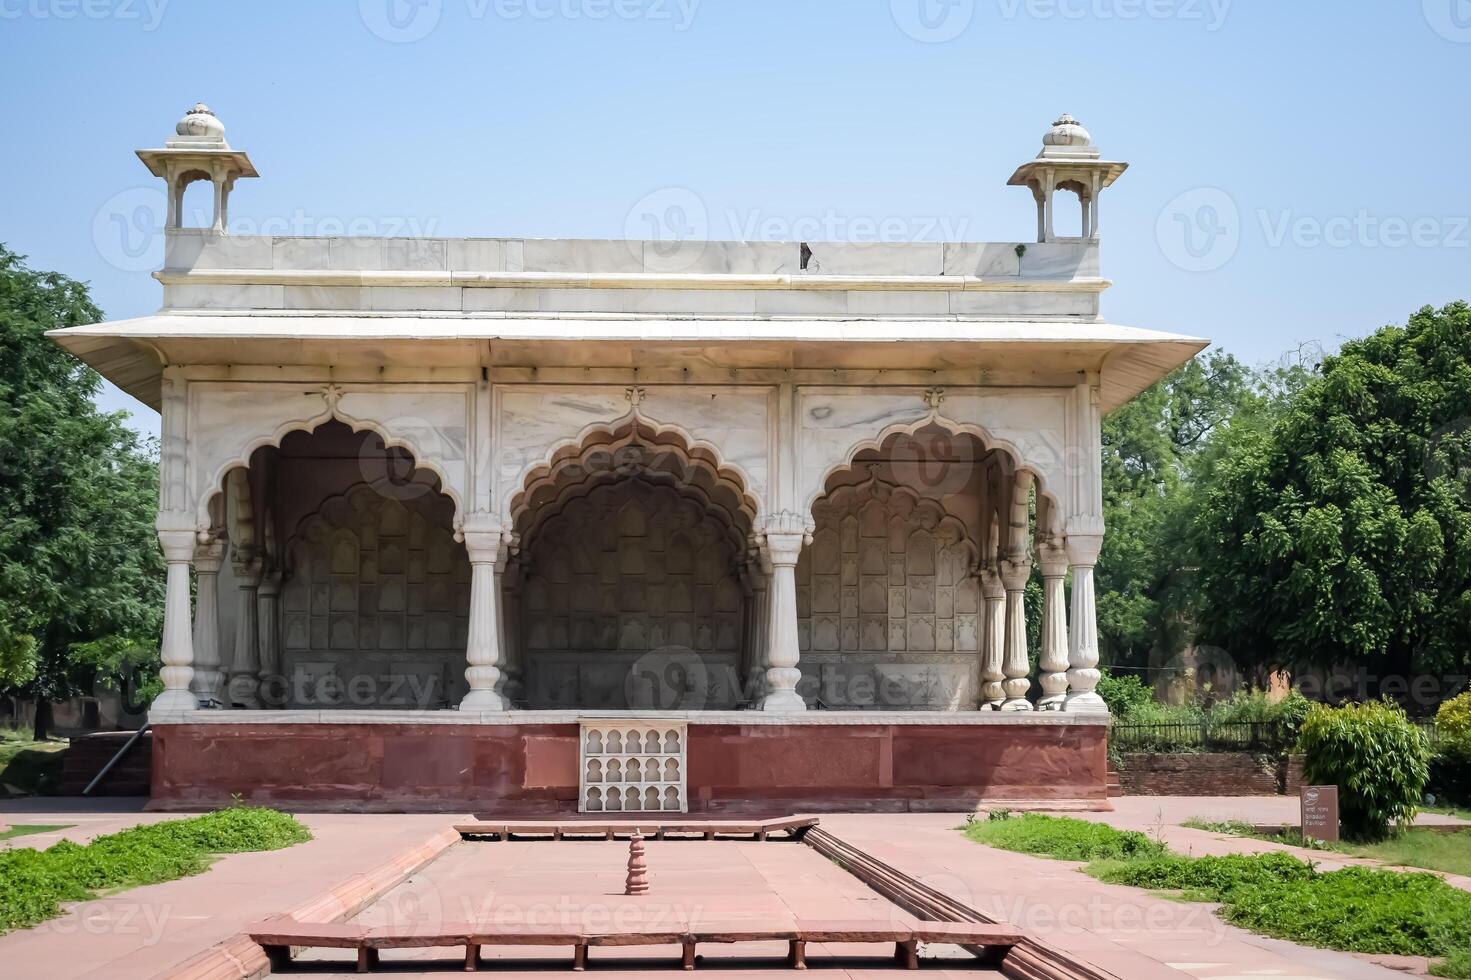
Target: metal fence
(1207, 736)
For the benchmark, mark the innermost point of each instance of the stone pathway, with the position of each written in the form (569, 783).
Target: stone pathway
(142, 931)
(1127, 931)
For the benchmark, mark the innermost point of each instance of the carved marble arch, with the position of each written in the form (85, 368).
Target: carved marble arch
(376, 586)
(216, 470)
(630, 446)
(970, 446)
(888, 571)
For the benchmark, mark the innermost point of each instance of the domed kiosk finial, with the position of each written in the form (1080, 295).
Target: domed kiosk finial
(199, 123)
(1069, 162)
(198, 151)
(1067, 131)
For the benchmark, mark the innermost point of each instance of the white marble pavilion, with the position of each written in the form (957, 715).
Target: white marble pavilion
(505, 482)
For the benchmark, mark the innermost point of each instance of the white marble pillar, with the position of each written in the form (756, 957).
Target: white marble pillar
(209, 678)
(993, 640)
(243, 689)
(272, 685)
(1052, 664)
(177, 646)
(483, 644)
(782, 649)
(1082, 551)
(1014, 664)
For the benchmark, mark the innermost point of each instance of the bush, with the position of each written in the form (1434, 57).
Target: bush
(1450, 776)
(33, 884)
(1123, 694)
(1374, 755)
(1064, 838)
(1453, 723)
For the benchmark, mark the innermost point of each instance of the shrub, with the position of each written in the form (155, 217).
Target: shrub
(1453, 723)
(1450, 775)
(1065, 838)
(1123, 694)
(1378, 760)
(1207, 878)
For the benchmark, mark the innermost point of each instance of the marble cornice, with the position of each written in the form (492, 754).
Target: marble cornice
(630, 280)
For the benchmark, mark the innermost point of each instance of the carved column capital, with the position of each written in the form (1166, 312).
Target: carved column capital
(487, 541)
(1015, 572)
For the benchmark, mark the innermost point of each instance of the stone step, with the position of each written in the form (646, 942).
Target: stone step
(87, 754)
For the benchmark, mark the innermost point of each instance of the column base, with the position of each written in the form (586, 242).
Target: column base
(1020, 704)
(484, 701)
(1086, 703)
(783, 701)
(175, 700)
(1052, 702)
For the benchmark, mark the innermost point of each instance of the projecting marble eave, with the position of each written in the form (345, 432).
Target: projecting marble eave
(131, 353)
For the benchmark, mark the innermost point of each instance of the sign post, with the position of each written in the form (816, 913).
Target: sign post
(1320, 813)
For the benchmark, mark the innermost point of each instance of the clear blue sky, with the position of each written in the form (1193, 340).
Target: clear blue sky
(1299, 169)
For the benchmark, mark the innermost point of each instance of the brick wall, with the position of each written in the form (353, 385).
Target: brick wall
(1203, 774)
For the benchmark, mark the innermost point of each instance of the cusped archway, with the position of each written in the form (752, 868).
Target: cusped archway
(630, 581)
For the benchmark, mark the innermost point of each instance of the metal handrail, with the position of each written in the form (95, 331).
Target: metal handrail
(117, 757)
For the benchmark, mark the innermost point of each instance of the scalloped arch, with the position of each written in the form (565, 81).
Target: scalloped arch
(214, 486)
(986, 439)
(843, 499)
(633, 429)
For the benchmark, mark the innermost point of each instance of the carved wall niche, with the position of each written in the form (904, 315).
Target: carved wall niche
(377, 596)
(629, 569)
(888, 604)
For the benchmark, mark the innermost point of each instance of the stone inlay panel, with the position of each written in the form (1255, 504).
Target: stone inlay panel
(632, 767)
(375, 606)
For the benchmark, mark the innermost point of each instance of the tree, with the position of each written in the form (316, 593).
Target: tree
(1149, 449)
(79, 563)
(1339, 531)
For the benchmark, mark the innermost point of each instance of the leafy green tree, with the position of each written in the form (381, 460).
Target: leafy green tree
(79, 562)
(1149, 451)
(1339, 530)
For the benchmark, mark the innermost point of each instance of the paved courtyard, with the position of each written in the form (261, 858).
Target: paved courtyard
(146, 932)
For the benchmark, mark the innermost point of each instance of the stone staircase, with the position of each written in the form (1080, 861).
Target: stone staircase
(87, 754)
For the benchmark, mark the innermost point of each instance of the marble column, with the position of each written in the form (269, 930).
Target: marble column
(1014, 664)
(1082, 552)
(483, 643)
(1052, 664)
(272, 685)
(244, 684)
(782, 649)
(177, 645)
(209, 678)
(993, 640)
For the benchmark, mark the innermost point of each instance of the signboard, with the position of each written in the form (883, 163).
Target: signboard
(1320, 813)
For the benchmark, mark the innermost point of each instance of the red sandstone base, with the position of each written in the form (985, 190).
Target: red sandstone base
(531, 769)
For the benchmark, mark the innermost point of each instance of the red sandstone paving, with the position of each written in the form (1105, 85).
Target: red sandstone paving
(581, 883)
(142, 931)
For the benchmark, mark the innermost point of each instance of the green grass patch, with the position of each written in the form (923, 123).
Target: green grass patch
(33, 883)
(1433, 850)
(1356, 910)
(1456, 966)
(1065, 838)
(21, 830)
